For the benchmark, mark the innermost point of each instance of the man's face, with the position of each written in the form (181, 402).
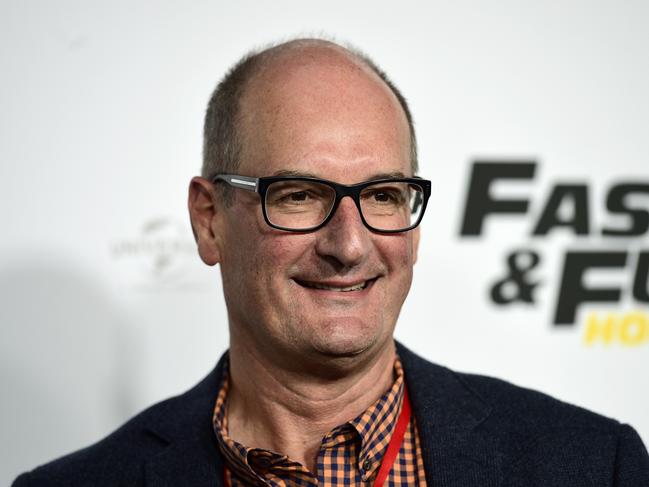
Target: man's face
(287, 293)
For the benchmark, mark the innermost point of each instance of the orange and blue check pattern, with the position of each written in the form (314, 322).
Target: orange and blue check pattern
(350, 454)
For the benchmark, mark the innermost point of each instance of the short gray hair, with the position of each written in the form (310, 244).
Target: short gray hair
(221, 138)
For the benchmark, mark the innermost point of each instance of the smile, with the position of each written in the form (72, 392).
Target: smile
(328, 287)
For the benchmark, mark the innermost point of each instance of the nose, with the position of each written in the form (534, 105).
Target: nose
(344, 240)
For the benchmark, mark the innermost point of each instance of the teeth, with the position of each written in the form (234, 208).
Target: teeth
(357, 287)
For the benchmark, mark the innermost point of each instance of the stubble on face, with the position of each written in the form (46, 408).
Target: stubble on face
(317, 111)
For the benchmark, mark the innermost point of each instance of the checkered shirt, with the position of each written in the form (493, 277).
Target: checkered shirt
(350, 454)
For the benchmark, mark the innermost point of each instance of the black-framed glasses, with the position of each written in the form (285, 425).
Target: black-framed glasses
(305, 204)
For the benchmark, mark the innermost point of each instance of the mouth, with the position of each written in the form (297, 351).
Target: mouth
(337, 287)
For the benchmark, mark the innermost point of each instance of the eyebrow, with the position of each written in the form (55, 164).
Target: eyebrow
(306, 174)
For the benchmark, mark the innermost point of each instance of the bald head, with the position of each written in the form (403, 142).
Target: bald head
(311, 76)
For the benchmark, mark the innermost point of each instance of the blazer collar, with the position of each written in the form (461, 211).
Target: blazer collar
(191, 456)
(449, 414)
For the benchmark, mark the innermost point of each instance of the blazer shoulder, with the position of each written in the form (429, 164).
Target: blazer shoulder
(538, 439)
(541, 435)
(117, 459)
(507, 406)
(120, 457)
(525, 408)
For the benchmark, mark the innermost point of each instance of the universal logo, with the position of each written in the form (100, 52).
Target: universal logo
(572, 293)
(161, 254)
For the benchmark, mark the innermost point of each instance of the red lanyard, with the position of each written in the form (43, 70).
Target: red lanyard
(393, 447)
(395, 442)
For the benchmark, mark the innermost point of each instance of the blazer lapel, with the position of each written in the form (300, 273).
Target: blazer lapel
(191, 456)
(184, 466)
(449, 414)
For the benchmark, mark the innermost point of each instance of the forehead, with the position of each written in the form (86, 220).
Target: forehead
(316, 108)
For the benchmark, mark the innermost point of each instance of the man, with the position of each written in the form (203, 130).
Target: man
(309, 205)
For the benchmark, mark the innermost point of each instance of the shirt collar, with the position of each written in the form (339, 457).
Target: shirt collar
(373, 428)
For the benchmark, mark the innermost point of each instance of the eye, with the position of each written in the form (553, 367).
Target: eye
(293, 193)
(384, 196)
(291, 196)
(296, 196)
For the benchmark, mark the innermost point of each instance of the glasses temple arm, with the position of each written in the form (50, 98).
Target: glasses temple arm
(243, 182)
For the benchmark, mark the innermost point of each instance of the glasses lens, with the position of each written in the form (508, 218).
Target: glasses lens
(392, 206)
(298, 205)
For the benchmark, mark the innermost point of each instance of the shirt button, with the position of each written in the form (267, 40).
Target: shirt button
(367, 465)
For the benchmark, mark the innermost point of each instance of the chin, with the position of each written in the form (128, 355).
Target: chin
(347, 338)
(341, 350)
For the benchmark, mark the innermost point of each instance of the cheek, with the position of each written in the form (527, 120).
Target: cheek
(398, 252)
(280, 252)
(398, 255)
(258, 254)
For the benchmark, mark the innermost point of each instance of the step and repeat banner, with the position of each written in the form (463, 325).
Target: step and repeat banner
(533, 123)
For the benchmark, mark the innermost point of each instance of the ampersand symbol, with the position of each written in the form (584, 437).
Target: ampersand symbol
(515, 286)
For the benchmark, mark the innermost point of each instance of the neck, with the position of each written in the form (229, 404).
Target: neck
(289, 409)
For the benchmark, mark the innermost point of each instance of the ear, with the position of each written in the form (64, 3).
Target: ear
(416, 234)
(206, 216)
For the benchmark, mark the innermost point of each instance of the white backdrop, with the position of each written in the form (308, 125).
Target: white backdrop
(105, 307)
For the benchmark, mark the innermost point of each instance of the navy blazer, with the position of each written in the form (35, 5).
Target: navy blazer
(475, 431)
